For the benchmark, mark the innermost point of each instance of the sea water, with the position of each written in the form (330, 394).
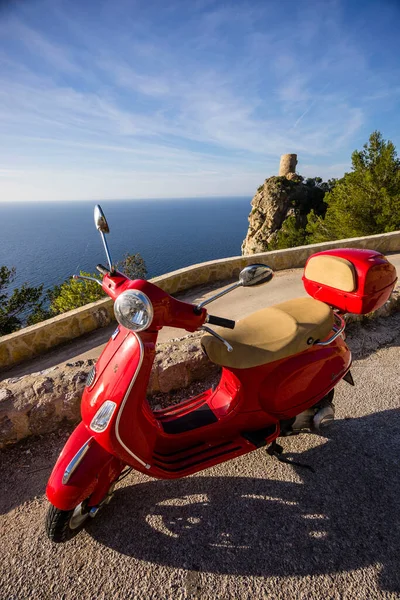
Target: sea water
(47, 242)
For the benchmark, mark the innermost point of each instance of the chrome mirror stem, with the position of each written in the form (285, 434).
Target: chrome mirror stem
(216, 296)
(103, 237)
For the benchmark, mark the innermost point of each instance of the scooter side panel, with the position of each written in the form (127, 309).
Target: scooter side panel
(114, 371)
(123, 380)
(95, 473)
(135, 429)
(298, 382)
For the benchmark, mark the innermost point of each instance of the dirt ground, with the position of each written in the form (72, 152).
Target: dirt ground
(250, 528)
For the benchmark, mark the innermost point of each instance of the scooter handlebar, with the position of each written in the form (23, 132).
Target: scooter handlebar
(213, 320)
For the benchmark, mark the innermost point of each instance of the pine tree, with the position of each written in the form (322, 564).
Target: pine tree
(289, 236)
(365, 201)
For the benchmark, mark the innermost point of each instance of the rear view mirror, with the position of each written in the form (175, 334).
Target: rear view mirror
(255, 275)
(251, 275)
(100, 220)
(102, 226)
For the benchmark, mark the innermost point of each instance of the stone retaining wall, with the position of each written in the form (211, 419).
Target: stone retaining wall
(37, 339)
(39, 403)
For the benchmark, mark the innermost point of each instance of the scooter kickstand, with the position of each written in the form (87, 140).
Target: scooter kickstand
(276, 450)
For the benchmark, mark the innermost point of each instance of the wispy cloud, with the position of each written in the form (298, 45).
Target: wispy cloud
(204, 93)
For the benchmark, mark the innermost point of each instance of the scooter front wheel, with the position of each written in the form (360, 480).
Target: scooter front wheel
(62, 525)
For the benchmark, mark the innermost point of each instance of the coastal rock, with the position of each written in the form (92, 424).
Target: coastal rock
(276, 200)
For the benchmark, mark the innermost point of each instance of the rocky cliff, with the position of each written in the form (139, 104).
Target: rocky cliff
(276, 200)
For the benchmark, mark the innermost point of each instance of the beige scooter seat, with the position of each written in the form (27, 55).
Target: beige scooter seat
(271, 334)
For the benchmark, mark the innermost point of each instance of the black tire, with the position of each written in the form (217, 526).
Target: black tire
(58, 527)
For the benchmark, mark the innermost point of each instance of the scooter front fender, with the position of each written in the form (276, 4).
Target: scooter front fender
(83, 470)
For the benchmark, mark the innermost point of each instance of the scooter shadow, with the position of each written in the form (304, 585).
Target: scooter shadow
(344, 516)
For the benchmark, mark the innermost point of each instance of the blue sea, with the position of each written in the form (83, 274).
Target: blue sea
(47, 242)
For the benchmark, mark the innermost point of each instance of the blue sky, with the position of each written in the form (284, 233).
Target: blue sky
(142, 99)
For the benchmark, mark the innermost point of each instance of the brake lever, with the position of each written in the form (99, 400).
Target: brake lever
(215, 334)
(88, 278)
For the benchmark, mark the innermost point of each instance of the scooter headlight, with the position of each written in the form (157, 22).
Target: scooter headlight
(133, 310)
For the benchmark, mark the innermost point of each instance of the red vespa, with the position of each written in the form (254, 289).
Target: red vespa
(280, 366)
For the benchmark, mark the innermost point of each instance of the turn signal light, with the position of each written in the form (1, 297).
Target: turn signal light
(102, 418)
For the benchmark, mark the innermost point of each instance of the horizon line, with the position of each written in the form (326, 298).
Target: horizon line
(153, 198)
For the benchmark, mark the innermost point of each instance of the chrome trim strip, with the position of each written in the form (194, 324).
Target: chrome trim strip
(73, 464)
(128, 391)
(91, 377)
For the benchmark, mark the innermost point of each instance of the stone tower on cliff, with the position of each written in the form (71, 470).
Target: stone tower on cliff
(288, 164)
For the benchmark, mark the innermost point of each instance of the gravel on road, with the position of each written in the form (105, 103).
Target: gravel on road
(250, 528)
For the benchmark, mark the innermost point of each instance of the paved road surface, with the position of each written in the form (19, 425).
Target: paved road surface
(284, 286)
(252, 528)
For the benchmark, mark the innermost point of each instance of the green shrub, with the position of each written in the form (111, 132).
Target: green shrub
(27, 305)
(14, 307)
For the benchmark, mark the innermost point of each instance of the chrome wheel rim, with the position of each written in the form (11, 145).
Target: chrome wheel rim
(78, 517)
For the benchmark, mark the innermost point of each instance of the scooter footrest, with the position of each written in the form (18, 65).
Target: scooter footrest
(201, 416)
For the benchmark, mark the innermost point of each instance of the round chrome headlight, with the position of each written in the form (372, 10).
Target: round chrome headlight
(133, 310)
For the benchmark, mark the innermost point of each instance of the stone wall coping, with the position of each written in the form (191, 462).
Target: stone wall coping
(37, 339)
(377, 241)
(58, 320)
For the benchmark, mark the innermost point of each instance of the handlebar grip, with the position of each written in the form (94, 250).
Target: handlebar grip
(103, 270)
(221, 322)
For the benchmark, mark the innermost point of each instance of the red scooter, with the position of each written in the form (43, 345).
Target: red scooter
(280, 366)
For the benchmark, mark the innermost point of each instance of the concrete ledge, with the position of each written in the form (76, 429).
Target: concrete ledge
(32, 341)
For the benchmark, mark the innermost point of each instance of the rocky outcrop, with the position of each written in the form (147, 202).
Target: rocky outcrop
(36, 404)
(276, 200)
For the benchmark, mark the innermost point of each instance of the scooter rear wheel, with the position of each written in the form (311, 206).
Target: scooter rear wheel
(62, 525)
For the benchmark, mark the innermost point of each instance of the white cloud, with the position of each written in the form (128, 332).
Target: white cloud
(36, 43)
(40, 184)
(138, 110)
